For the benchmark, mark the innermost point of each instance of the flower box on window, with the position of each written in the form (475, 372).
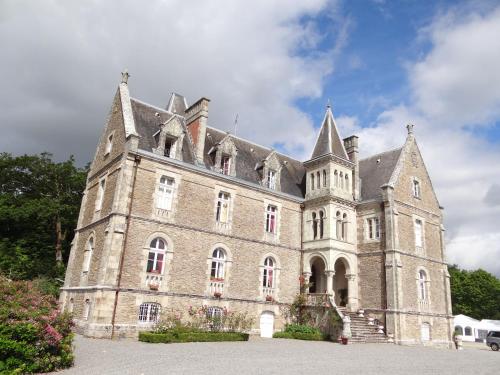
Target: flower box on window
(217, 294)
(218, 279)
(154, 285)
(269, 298)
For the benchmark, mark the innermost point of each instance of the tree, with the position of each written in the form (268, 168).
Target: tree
(474, 293)
(39, 205)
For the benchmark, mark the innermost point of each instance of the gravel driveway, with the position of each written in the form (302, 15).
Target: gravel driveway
(275, 356)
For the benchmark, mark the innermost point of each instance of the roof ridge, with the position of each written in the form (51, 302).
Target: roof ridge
(381, 153)
(153, 106)
(255, 144)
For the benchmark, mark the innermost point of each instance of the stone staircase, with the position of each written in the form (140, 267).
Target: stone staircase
(362, 332)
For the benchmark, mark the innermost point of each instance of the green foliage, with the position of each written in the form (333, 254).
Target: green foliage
(39, 205)
(299, 336)
(34, 336)
(475, 293)
(178, 336)
(299, 328)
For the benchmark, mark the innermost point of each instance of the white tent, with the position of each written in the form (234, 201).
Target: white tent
(474, 330)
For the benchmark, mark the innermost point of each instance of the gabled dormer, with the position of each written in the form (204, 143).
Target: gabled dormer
(330, 172)
(224, 156)
(169, 139)
(270, 171)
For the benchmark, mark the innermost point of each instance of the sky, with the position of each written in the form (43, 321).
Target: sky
(275, 64)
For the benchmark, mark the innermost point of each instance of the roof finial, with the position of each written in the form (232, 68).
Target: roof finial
(409, 127)
(328, 104)
(125, 76)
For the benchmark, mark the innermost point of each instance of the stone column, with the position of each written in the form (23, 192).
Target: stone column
(329, 282)
(352, 292)
(307, 278)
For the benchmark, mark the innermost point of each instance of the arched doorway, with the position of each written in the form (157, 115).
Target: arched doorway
(267, 324)
(340, 282)
(317, 279)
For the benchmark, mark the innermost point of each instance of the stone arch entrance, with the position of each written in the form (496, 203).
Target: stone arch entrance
(340, 282)
(317, 278)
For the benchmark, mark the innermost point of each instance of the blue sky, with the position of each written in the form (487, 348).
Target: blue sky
(275, 64)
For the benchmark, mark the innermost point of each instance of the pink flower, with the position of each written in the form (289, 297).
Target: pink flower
(53, 337)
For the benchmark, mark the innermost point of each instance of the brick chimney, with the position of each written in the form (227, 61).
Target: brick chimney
(351, 147)
(196, 120)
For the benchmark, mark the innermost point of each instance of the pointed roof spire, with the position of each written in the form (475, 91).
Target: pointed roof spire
(329, 141)
(125, 76)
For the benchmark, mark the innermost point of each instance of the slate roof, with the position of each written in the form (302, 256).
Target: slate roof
(328, 139)
(177, 104)
(250, 156)
(376, 171)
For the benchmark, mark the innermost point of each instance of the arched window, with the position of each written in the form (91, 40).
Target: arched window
(324, 177)
(468, 331)
(422, 279)
(156, 256)
(336, 178)
(314, 225)
(341, 178)
(312, 181)
(71, 305)
(347, 187)
(344, 227)
(318, 180)
(218, 262)
(87, 255)
(165, 193)
(339, 225)
(268, 279)
(321, 224)
(149, 312)
(459, 330)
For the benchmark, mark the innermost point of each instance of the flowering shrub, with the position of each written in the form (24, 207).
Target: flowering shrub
(34, 336)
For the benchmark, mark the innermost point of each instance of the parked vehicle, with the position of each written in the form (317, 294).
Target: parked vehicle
(493, 340)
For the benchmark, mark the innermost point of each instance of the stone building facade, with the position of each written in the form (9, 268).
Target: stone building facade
(177, 213)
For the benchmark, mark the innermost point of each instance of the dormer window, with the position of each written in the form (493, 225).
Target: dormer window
(271, 179)
(225, 165)
(169, 146)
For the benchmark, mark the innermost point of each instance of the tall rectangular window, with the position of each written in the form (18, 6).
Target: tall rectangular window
(373, 228)
(109, 144)
(100, 194)
(225, 165)
(169, 145)
(271, 179)
(416, 188)
(418, 233)
(165, 193)
(271, 218)
(222, 214)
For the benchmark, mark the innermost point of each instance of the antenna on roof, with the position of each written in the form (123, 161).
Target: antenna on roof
(235, 124)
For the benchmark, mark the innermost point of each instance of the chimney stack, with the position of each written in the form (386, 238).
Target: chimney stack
(196, 120)
(351, 147)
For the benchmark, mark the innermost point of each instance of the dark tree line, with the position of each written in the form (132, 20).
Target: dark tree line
(475, 293)
(39, 206)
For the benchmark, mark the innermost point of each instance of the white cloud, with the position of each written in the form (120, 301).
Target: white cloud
(61, 63)
(456, 84)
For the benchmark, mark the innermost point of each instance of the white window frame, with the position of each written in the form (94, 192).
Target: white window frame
(157, 251)
(109, 144)
(86, 309)
(372, 232)
(271, 214)
(87, 255)
(427, 332)
(416, 188)
(225, 165)
(269, 273)
(101, 188)
(165, 193)
(419, 233)
(223, 206)
(149, 312)
(218, 264)
(271, 179)
(422, 285)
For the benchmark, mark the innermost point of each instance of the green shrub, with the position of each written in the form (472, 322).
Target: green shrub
(299, 336)
(301, 328)
(34, 336)
(193, 336)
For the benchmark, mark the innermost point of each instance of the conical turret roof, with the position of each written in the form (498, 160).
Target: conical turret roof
(329, 141)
